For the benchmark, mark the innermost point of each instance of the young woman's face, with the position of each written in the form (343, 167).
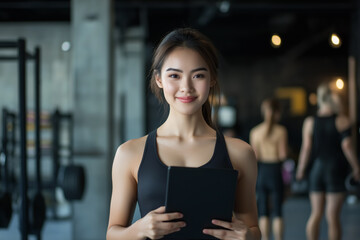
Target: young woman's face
(185, 79)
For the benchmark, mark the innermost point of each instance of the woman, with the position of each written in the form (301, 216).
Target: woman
(269, 141)
(327, 137)
(184, 73)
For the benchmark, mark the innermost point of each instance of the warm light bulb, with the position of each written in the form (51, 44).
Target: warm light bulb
(275, 41)
(340, 83)
(335, 40)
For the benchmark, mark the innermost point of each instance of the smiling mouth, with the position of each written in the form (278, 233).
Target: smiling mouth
(186, 99)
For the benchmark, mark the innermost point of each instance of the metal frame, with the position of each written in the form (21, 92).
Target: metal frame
(22, 56)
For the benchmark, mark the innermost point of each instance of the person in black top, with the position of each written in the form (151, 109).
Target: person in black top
(184, 75)
(326, 138)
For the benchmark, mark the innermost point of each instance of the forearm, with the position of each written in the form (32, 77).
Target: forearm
(255, 233)
(303, 159)
(124, 233)
(350, 153)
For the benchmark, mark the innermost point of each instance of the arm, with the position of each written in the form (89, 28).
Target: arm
(349, 152)
(253, 143)
(305, 147)
(124, 197)
(343, 123)
(244, 225)
(283, 144)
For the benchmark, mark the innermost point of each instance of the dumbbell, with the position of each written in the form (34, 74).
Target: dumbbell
(72, 179)
(352, 185)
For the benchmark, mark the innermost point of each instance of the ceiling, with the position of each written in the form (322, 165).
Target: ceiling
(236, 28)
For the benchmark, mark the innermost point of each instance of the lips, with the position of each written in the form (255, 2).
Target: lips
(186, 99)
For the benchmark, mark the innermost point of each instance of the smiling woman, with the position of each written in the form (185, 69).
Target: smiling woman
(184, 74)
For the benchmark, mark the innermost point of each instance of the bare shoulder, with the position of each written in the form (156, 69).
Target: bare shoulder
(308, 124)
(241, 153)
(309, 120)
(129, 154)
(255, 131)
(342, 122)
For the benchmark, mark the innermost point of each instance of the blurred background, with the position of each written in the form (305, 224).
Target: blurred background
(90, 60)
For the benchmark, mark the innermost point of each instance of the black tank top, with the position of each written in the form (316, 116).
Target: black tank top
(152, 172)
(327, 139)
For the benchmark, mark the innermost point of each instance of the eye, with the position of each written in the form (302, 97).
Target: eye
(174, 76)
(199, 75)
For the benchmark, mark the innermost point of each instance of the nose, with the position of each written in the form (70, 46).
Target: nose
(186, 84)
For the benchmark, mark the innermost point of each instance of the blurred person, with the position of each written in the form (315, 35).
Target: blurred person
(326, 138)
(184, 75)
(269, 140)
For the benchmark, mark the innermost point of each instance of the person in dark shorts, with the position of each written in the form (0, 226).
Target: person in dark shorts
(326, 137)
(269, 141)
(184, 76)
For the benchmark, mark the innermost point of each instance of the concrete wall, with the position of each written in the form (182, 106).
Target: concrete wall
(57, 87)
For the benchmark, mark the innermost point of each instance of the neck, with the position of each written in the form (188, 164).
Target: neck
(186, 126)
(325, 109)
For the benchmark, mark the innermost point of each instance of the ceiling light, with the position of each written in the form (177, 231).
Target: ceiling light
(335, 40)
(65, 46)
(275, 41)
(339, 83)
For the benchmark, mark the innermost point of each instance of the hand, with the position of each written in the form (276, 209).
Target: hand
(156, 225)
(299, 174)
(235, 229)
(356, 174)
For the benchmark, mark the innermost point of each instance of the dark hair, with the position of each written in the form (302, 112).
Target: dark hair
(192, 39)
(274, 105)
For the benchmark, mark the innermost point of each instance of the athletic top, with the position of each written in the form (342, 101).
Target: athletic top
(326, 138)
(329, 167)
(152, 173)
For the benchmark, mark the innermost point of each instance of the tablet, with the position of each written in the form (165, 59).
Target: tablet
(200, 194)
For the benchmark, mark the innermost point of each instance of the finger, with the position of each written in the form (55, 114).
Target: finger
(169, 216)
(227, 225)
(171, 225)
(218, 233)
(159, 210)
(168, 228)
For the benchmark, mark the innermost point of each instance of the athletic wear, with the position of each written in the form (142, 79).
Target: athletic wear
(329, 167)
(269, 184)
(152, 172)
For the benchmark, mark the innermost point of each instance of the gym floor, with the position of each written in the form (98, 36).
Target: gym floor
(296, 212)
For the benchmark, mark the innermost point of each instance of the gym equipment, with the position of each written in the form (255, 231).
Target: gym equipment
(8, 119)
(5, 197)
(71, 178)
(37, 210)
(21, 56)
(299, 187)
(351, 185)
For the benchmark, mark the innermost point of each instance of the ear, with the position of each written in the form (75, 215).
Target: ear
(212, 83)
(158, 80)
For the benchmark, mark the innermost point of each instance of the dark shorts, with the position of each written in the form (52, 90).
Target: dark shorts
(270, 187)
(327, 176)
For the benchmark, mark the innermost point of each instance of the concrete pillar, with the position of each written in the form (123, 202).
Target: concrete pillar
(92, 27)
(130, 84)
(130, 77)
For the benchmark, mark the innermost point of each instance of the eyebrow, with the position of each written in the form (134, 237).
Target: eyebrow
(194, 70)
